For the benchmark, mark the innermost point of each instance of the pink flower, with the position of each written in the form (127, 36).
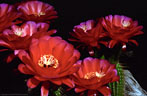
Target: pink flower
(121, 29)
(50, 59)
(94, 74)
(7, 15)
(88, 34)
(19, 37)
(37, 11)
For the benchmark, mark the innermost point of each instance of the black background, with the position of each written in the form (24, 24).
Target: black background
(71, 13)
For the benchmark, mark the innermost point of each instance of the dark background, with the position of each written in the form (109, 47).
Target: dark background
(71, 13)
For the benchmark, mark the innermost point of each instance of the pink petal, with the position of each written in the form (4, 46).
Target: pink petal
(3, 43)
(53, 31)
(32, 82)
(23, 54)
(45, 89)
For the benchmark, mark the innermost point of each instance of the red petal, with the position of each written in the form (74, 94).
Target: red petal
(68, 82)
(40, 78)
(92, 93)
(25, 58)
(45, 89)
(22, 68)
(79, 89)
(32, 82)
(1, 50)
(134, 41)
(105, 90)
(10, 58)
(3, 43)
(56, 81)
(112, 43)
(52, 32)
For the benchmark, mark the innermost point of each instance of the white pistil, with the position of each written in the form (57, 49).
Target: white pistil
(126, 23)
(94, 74)
(18, 31)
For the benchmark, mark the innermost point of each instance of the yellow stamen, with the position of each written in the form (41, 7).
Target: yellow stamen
(39, 14)
(94, 74)
(48, 61)
(18, 31)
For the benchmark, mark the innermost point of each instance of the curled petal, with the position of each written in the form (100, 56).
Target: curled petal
(134, 41)
(23, 68)
(10, 58)
(24, 56)
(45, 89)
(3, 43)
(32, 82)
(112, 43)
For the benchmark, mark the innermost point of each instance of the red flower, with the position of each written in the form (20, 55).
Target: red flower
(7, 15)
(37, 11)
(50, 59)
(88, 33)
(94, 74)
(19, 37)
(121, 29)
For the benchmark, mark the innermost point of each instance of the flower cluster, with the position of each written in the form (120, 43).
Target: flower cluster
(50, 59)
(109, 31)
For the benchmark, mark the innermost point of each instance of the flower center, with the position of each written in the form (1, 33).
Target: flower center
(125, 23)
(48, 61)
(94, 74)
(39, 14)
(18, 31)
(84, 28)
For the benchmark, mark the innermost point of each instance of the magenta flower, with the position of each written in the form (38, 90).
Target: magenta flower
(7, 16)
(19, 37)
(37, 11)
(88, 34)
(121, 29)
(93, 76)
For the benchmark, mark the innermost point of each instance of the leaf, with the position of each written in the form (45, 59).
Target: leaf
(102, 57)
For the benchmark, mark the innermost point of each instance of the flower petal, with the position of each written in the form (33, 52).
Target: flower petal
(23, 68)
(68, 82)
(105, 91)
(32, 82)
(79, 89)
(45, 89)
(56, 81)
(10, 58)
